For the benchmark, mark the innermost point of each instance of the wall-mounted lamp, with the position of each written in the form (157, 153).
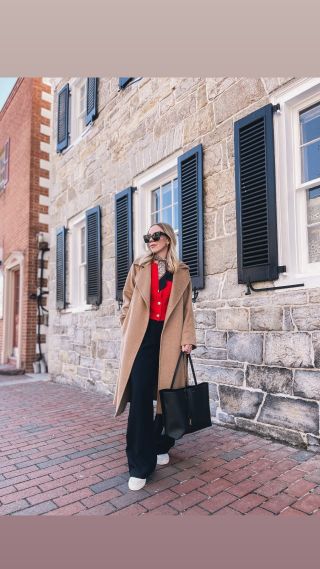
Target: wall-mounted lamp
(42, 242)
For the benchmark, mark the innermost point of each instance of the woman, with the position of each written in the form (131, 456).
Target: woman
(157, 322)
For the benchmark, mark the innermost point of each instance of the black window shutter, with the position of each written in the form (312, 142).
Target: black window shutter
(92, 99)
(61, 267)
(123, 237)
(257, 248)
(124, 81)
(191, 213)
(93, 255)
(63, 118)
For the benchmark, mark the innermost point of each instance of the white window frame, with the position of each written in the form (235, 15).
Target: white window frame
(291, 193)
(145, 184)
(74, 116)
(77, 300)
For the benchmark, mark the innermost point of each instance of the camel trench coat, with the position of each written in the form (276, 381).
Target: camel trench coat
(178, 329)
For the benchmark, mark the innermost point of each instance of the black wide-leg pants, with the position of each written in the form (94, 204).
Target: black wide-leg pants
(144, 431)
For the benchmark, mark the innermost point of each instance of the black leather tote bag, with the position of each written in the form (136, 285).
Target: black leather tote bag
(185, 409)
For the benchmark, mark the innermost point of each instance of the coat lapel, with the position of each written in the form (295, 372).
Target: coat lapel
(180, 281)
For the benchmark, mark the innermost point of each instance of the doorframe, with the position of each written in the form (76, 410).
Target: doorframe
(14, 262)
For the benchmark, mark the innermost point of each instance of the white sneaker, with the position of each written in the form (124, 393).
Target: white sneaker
(136, 483)
(163, 458)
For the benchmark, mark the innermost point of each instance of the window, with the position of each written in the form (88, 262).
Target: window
(77, 108)
(309, 123)
(4, 165)
(156, 199)
(297, 144)
(78, 263)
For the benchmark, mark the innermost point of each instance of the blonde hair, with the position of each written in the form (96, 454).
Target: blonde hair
(172, 256)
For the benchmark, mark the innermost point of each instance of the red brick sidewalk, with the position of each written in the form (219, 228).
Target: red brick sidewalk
(63, 453)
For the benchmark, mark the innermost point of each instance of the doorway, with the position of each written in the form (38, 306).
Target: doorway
(16, 314)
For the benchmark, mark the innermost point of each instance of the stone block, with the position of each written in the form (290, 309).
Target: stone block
(201, 96)
(224, 417)
(266, 318)
(269, 379)
(239, 96)
(220, 255)
(212, 159)
(316, 348)
(107, 349)
(290, 413)
(210, 353)
(245, 347)
(232, 319)
(210, 220)
(218, 188)
(205, 318)
(306, 317)
(239, 402)
(278, 433)
(307, 384)
(229, 218)
(287, 319)
(230, 287)
(213, 391)
(217, 85)
(216, 339)
(289, 349)
(200, 333)
(270, 83)
(220, 374)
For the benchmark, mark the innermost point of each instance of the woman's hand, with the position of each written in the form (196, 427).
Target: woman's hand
(186, 348)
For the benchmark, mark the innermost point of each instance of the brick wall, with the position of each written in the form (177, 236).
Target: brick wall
(21, 119)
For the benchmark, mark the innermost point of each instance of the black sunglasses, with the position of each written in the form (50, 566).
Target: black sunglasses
(155, 236)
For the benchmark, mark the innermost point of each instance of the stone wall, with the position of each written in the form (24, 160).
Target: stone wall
(260, 353)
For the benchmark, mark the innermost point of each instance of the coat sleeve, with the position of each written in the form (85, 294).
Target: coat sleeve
(127, 293)
(188, 328)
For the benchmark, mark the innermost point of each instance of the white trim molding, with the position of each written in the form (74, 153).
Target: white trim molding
(145, 183)
(291, 194)
(14, 262)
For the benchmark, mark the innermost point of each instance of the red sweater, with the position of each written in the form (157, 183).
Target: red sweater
(158, 298)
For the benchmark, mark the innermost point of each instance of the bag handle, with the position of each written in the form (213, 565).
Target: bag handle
(192, 368)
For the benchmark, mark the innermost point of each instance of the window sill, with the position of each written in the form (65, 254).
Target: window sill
(75, 309)
(308, 280)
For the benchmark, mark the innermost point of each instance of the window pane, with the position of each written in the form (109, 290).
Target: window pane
(166, 195)
(175, 216)
(310, 161)
(314, 243)
(310, 124)
(166, 215)
(313, 217)
(175, 190)
(154, 217)
(313, 205)
(155, 200)
(83, 245)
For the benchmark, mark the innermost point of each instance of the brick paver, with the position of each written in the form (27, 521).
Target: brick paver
(62, 452)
